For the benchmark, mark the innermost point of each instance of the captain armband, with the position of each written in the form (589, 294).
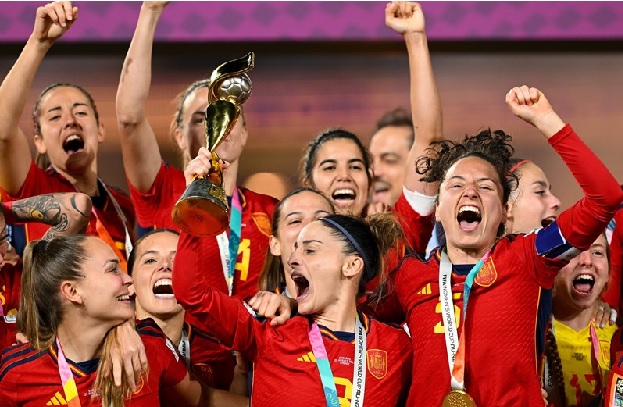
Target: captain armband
(551, 244)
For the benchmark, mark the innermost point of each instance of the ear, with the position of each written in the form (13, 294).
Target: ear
(274, 246)
(70, 292)
(101, 133)
(179, 139)
(507, 209)
(39, 144)
(352, 266)
(244, 135)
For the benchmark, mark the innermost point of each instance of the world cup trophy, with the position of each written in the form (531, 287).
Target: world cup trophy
(202, 210)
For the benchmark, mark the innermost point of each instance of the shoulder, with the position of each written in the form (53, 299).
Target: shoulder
(147, 328)
(256, 200)
(18, 359)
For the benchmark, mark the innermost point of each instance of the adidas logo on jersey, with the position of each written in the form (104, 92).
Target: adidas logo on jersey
(57, 400)
(425, 290)
(308, 357)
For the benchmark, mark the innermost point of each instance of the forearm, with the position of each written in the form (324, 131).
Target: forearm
(219, 398)
(141, 153)
(135, 78)
(425, 108)
(582, 223)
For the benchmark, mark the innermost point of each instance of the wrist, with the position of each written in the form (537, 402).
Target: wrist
(40, 44)
(549, 124)
(415, 38)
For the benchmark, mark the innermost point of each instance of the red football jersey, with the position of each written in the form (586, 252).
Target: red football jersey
(501, 360)
(49, 181)
(418, 229)
(284, 370)
(613, 295)
(10, 276)
(154, 210)
(212, 364)
(30, 378)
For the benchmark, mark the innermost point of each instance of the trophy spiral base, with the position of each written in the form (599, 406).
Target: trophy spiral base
(202, 210)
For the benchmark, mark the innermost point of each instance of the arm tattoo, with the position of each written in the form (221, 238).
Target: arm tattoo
(73, 205)
(40, 208)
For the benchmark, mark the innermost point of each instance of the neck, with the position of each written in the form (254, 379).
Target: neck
(81, 340)
(466, 256)
(171, 325)
(230, 178)
(85, 183)
(574, 318)
(340, 316)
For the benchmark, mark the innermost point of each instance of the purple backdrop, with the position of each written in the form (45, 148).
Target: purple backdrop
(273, 21)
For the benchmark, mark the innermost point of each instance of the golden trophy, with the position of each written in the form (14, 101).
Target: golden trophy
(202, 210)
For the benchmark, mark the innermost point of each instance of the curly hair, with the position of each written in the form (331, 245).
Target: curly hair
(491, 146)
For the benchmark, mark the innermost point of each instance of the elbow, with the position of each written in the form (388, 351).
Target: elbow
(129, 120)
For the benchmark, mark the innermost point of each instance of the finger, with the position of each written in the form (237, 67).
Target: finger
(534, 94)
(613, 316)
(116, 368)
(59, 9)
(68, 10)
(129, 372)
(142, 354)
(279, 320)
(136, 365)
(52, 15)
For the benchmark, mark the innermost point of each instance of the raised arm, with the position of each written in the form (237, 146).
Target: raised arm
(407, 19)
(139, 146)
(51, 22)
(581, 224)
(67, 213)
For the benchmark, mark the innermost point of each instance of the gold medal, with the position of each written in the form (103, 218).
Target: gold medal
(458, 398)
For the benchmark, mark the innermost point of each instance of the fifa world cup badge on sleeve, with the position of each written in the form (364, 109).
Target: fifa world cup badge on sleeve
(615, 398)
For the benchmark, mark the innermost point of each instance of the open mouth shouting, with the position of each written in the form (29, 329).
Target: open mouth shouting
(302, 286)
(344, 197)
(469, 218)
(163, 288)
(583, 284)
(548, 221)
(124, 298)
(74, 143)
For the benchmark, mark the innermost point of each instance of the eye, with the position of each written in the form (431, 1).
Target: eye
(328, 168)
(294, 221)
(486, 187)
(598, 253)
(309, 251)
(81, 113)
(114, 270)
(54, 118)
(198, 120)
(149, 260)
(356, 167)
(540, 193)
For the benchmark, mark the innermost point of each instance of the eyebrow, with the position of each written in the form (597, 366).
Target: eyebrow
(306, 242)
(300, 213)
(595, 245)
(114, 261)
(334, 161)
(72, 106)
(462, 178)
(540, 183)
(155, 252)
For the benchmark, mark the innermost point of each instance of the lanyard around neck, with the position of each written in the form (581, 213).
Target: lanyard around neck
(67, 378)
(324, 366)
(228, 247)
(455, 346)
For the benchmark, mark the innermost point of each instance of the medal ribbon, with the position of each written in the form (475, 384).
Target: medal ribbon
(184, 348)
(228, 247)
(67, 378)
(326, 375)
(455, 346)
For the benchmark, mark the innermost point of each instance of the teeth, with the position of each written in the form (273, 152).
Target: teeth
(123, 298)
(585, 277)
(72, 137)
(469, 208)
(344, 191)
(164, 295)
(164, 281)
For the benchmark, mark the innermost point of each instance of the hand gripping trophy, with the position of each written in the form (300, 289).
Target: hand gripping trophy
(202, 210)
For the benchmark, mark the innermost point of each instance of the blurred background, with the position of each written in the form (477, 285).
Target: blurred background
(330, 64)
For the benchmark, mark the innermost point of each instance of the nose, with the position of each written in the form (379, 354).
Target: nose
(343, 173)
(470, 191)
(554, 202)
(166, 264)
(293, 260)
(585, 259)
(127, 280)
(71, 121)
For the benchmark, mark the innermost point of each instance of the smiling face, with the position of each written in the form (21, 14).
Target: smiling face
(296, 212)
(70, 132)
(470, 205)
(389, 148)
(104, 290)
(532, 204)
(152, 269)
(339, 172)
(317, 265)
(579, 283)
